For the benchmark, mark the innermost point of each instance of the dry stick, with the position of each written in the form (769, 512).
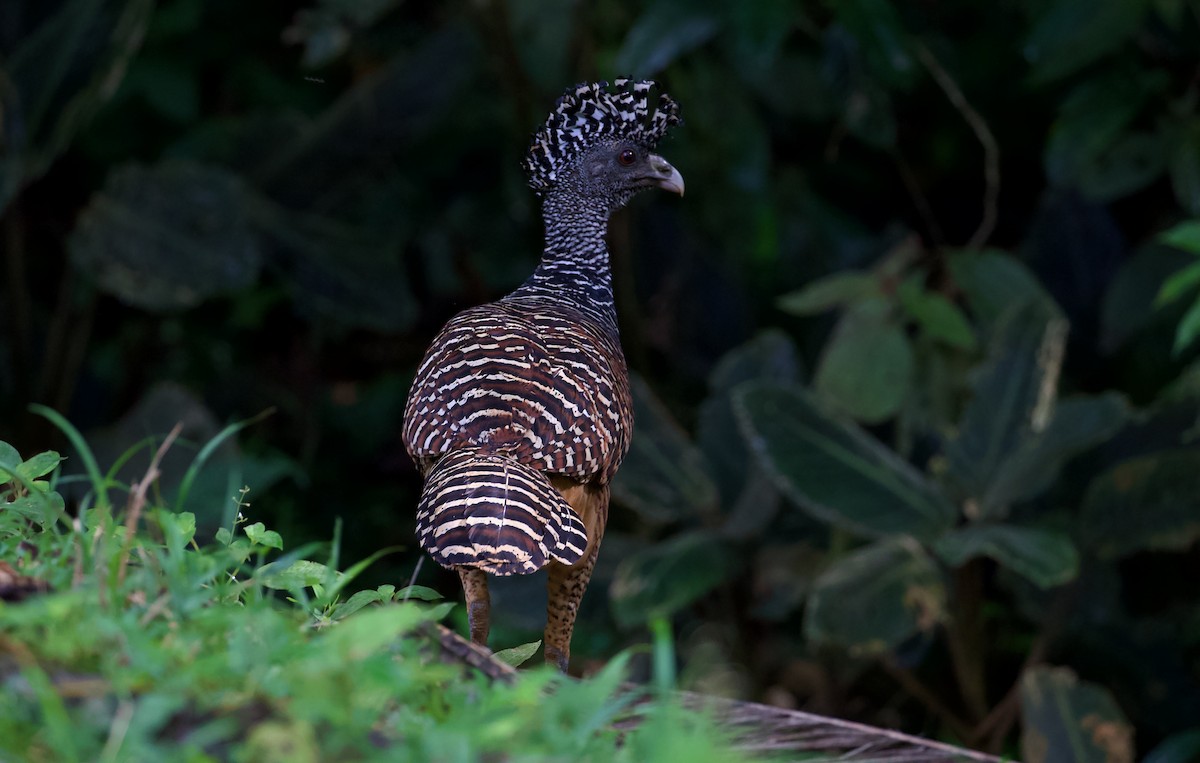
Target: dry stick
(137, 498)
(991, 151)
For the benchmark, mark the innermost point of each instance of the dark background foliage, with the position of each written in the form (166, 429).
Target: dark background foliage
(911, 423)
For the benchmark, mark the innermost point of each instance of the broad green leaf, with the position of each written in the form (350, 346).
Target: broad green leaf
(1148, 502)
(835, 290)
(518, 655)
(167, 238)
(1178, 284)
(418, 592)
(10, 459)
(835, 471)
(355, 603)
(935, 315)
(1093, 122)
(878, 28)
(39, 465)
(1129, 306)
(1188, 329)
(1185, 236)
(1071, 34)
(1183, 747)
(357, 638)
(667, 577)
(299, 574)
(867, 367)
(1078, 423)
(1015, 385)
(1130, 164)
(769, 355)
(877, 597)
(664, 477)
(993, 282)
(747, 498)
(259, 535)
(1043, 557)
(57, 77)
(1063, 718)
(666, 30)
(1184, 166)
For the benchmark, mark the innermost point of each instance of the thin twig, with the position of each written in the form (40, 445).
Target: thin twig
(990, 732)
(991, 151)
(920, 692)
(137, 498)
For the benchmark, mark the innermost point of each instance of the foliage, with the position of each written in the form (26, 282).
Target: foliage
(917, 374)
(151, 646)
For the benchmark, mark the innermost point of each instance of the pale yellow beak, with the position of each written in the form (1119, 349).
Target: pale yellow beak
(666, 177)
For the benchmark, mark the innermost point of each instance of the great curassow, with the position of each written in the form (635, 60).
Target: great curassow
(520, 412)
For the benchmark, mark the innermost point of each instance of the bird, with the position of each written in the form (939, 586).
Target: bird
(520, 412)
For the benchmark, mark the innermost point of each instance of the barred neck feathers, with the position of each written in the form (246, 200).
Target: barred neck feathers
(593, 153)
(574, 269)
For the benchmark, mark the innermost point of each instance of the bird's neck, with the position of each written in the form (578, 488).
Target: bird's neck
(575, 267)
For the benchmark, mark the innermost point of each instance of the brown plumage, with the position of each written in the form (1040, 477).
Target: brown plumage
(520, 413)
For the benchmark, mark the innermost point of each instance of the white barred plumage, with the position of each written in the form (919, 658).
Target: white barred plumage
(520, 413)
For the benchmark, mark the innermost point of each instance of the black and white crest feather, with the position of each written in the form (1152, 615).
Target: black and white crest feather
(590, 113)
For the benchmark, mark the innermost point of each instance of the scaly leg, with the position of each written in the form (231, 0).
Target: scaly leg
(565, 590)
(567, 584)
(479, 603)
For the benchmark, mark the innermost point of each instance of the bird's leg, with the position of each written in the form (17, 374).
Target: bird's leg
(564, 592)
(479, 604)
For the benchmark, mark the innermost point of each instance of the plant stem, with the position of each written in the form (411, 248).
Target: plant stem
(965, 638)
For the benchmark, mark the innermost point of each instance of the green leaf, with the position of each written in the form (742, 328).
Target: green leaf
(60, 74)
(665, 578)
(1129, 306)
(1073, 33)
(1150, 502)
(1184, 166)
(835, 471)
(1063, 718)
(1185, 236)
(1078, 423)
(665, 31)
(877, 27)
(9, 456)
(877, 597)
(664, 477)
(1178, 284)
(1188, 329)
(355, 603)
(835, 290)
(867, 367)
(39, 465)
(517, 656)
(167, 238)
(299, 574)
(418, 592)
(1014, 386)
(259, 535)
(1131, 163)
(993, 282)
(1183, 747)
(1043, 557)
(936, 316)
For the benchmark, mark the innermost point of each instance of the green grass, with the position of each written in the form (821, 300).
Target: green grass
(155, 644)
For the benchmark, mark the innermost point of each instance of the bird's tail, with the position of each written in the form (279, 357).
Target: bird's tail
(489, 512)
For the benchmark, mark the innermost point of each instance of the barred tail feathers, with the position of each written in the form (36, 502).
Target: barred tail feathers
(489, 512)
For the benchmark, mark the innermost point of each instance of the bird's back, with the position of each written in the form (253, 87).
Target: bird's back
(530, 378)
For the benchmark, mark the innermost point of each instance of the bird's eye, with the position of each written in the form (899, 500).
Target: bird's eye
(627, 157)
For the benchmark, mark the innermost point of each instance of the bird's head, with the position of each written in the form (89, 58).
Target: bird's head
(598, 144)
